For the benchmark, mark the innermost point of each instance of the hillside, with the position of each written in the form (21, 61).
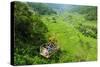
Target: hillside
(36, 23)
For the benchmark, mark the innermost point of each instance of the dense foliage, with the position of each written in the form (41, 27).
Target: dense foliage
(29, 32)
(41, 8)
(36, 23)
(89, 12)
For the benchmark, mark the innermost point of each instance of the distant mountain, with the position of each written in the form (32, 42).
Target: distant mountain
(61, 7)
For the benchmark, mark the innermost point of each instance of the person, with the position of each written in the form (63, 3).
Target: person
(45, 52)
(49, 48)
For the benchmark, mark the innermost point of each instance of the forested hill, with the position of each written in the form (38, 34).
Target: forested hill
(41, 8)
(88, 11)
(49, 8)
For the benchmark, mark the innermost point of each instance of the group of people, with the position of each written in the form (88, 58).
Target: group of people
(48, 49)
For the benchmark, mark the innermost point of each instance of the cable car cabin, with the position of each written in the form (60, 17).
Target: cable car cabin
(48, 49)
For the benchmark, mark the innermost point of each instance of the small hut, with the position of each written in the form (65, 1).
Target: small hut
(48, 49)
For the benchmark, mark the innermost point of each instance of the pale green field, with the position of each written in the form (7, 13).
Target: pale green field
(75, 45)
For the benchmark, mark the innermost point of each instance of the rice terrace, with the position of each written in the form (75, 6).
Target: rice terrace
(47, 33)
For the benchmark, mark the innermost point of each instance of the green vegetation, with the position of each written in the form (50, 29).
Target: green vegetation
(36, 23)
(89, 12)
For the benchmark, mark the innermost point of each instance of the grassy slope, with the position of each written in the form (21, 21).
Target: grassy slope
(74, 46)
(77, 46)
